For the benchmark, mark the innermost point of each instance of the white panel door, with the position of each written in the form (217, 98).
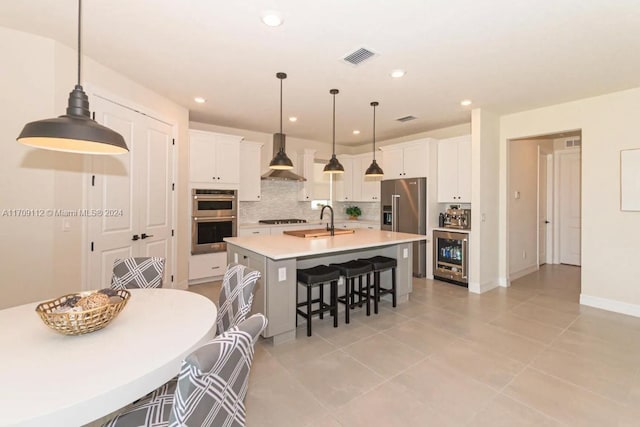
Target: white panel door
(133, 193)
(227, 159)
(569, 201)
(415, 159)
(543, 223)
(393, 165)
(447, 172)
(464, 171)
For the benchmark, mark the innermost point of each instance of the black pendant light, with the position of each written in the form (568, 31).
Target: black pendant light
(280, 161)
(334, 165)
(74, 132)
(374, 169)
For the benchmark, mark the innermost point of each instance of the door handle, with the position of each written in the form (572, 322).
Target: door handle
(135, 237)
(144, 235)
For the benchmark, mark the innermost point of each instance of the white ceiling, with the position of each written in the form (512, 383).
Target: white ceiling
(505, 55)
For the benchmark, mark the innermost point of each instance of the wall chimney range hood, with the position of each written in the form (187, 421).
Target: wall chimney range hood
(280, 174)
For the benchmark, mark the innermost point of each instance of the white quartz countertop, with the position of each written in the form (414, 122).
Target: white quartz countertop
(284, 246)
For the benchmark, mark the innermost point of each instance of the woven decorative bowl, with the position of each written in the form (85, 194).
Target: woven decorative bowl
(81, 322)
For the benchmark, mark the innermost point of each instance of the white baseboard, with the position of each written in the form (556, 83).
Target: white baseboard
(610, 305)
(479, 288)
(523, 272)
(504, 282)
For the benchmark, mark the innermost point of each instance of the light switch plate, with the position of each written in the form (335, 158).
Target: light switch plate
(405, 253)
(282, 274)
(235, 257)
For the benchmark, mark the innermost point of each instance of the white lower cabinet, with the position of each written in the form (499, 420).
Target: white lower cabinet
(256, 231)
(207, 266)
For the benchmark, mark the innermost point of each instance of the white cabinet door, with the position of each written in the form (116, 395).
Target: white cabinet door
(369, 185)
(447, 172)
(214, 157)
(227, 159)
(249, 187)
(202, 154)
(343, 182)
(393, 165)
(305, 194)
(207, 266)
(407, 160)
(454, 170)
(464, 171)
(415, 160)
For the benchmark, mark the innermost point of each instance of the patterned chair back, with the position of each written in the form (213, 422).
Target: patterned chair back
(129, 273)
(213, 380)
(236, 296)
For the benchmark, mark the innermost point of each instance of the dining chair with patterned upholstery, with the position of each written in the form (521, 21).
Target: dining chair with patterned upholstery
(140, 272)
(236, 295)
(210, 389)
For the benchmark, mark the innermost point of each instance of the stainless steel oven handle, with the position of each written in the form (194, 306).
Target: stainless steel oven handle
(214, 218)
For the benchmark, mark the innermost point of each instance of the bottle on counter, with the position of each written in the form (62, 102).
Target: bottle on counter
(441, 220)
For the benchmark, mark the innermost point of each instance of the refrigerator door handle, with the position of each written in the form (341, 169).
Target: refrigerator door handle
(394, 212)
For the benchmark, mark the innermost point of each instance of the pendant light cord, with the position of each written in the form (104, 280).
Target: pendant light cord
(334, 124)
(374, 132)
(79, 37)
(281, 106)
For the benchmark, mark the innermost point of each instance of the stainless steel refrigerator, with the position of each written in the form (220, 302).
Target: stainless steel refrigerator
(404, 209)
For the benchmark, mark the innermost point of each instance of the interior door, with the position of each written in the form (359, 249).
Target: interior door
(569, 201)
(133, 193)
(542, 208)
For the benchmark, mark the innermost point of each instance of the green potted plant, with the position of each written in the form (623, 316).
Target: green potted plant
(354, 212)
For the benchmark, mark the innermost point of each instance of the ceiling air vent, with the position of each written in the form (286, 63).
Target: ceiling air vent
(359, 56)
(406, 118)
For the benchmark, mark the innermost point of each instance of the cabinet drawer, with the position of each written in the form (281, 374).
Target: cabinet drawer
(253, 231)
(207, 265)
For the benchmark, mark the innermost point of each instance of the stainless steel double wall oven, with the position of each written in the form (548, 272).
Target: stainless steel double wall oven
(214, 216)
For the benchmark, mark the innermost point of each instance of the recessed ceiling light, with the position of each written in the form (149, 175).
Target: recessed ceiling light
(199, 100)
(272, 18)
(356, 132)
(293, 119)
(397, 73)
(465, 102)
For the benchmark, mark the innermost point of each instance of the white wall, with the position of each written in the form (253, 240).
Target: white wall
(610, 244)
(523, 211)
(483, 247)
(40, 261)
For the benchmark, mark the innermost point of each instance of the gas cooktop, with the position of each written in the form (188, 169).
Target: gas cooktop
(282, 221)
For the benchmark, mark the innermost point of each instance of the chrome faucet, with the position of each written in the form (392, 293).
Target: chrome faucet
(332, 229)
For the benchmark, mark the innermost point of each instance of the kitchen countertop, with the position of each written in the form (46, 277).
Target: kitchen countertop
(284, 246)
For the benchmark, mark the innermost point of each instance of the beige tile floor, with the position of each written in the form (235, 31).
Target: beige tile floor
(528, 355)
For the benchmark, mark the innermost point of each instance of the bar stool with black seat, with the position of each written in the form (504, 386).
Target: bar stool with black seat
(350, 270)
(380, 264)
(318, 276)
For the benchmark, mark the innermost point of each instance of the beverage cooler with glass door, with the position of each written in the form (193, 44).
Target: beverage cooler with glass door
(450, 252)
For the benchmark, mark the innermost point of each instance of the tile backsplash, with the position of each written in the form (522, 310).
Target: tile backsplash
(280, 200)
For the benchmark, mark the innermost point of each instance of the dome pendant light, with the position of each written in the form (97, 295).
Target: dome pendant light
(334, 165)
(280, 161)
(374, 169)
(74, 132)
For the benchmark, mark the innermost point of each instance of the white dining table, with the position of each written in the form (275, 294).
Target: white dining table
(49, 379)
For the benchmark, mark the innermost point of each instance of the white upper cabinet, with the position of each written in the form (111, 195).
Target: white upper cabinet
(369, 185)
(343, 182)
(249, 187)
(305, 169)
(454, 170)
(214, 157)
(406, 160)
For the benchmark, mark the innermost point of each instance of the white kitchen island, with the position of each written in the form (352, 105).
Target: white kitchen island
(278, 257)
